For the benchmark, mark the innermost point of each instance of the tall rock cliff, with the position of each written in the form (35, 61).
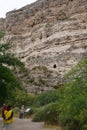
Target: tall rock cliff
(50, 36)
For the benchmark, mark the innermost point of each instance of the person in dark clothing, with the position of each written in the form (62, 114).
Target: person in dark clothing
(3, 109)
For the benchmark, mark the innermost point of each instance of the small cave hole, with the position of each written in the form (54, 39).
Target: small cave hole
(54, 66)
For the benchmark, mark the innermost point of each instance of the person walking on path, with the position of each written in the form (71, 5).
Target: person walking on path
(8, 118)
(21, 112)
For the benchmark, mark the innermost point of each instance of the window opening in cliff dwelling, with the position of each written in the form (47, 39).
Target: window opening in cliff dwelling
(54, 66)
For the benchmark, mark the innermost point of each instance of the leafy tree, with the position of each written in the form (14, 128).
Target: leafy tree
(8, 81)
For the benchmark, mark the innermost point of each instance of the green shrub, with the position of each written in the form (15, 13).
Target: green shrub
(46, 98)
(51, 113)
(39, 115)
(73, 106)
(48, 114)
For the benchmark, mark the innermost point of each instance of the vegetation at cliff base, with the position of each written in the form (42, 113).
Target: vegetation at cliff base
(69, 109)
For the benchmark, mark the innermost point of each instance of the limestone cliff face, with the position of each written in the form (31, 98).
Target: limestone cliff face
(48, 33)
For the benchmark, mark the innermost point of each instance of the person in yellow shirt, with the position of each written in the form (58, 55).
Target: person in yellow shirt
(8, 118)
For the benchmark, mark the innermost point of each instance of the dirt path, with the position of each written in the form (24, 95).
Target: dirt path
(27, 124)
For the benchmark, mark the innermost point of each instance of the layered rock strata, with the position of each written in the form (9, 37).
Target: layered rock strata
(50, 33)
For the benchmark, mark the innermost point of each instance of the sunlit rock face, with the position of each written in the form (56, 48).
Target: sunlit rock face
(50, 33)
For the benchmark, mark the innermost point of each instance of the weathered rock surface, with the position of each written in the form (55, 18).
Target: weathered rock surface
(48, 33)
